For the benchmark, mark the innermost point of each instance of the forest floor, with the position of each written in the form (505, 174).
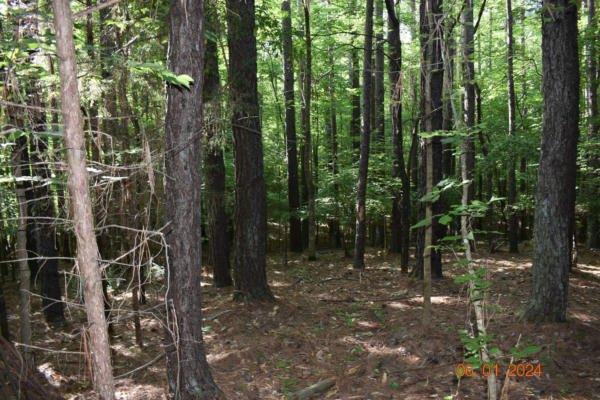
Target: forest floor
(363, 331)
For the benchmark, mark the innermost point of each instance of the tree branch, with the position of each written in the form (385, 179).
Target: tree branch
(95, 8)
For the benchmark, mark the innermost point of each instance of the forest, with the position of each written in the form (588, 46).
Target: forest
(307, 199)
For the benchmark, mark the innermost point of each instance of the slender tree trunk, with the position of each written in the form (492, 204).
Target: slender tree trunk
(468, 70)
(593, 234)
(249, 266)
(20, 163)
(290, 128)
(87, 248)
(4, 331)
(513, 222)
(447, 123)
(355, 118)
(365, 137)
(432, 119)
(306, 132)
(214, 165)
(378, 121)
(334, 223)
(555, 193)
(401, 203)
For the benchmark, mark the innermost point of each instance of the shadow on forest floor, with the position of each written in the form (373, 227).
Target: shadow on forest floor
(363, 330)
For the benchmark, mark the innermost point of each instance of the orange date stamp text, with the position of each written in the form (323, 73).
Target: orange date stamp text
(514, 370)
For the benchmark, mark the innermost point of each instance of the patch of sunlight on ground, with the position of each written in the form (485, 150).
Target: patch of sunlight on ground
(582, 316)
(278, 284)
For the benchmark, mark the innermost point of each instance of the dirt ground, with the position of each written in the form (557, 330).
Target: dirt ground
(364, 331)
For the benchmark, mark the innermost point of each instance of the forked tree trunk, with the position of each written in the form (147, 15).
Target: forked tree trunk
(87, 248)
(365, 138)
(555, 192)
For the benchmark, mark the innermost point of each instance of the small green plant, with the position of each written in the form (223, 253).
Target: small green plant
(349, 318)
(356, 351)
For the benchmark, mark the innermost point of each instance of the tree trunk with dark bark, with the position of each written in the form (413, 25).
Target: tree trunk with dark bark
(214, 165)
(307, 169)
(468, 68)
(513, 222)
(249, 264)
(400, 224)
(555, 193)
(432, 76)
(593, 233)
(188, 373)
(87, 248)
(365, 138)
(290, 128)
(355, 117)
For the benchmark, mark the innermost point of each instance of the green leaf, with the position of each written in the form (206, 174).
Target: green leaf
(421, 223)
(445, 220)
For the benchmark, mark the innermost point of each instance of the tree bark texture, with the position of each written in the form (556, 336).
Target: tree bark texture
(513, 221)
(400, 224)
(355, 117)
(555, 193)
(249, 265)
(188, 373)
(291, 144)
(24, 274)
(365, 138)
(593, 234)
(468, 70)
(306, 132)
(43, 213)
(432, 75)
(214, 165)
(87, 247)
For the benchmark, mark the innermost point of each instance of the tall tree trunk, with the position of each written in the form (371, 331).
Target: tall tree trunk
(43, 213)
(448, 121)
(249, 265)
(378, 121)
(432, 119)
(334, 223)
(355, 117)
(555, 193)
(188, 373)
(21, 162)
(365, 138)
(306, 133)
(401, 203)
(468, 74)
(290, 128)
(513, 222)
(87, 248)
(593, 233)
(214, 165)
